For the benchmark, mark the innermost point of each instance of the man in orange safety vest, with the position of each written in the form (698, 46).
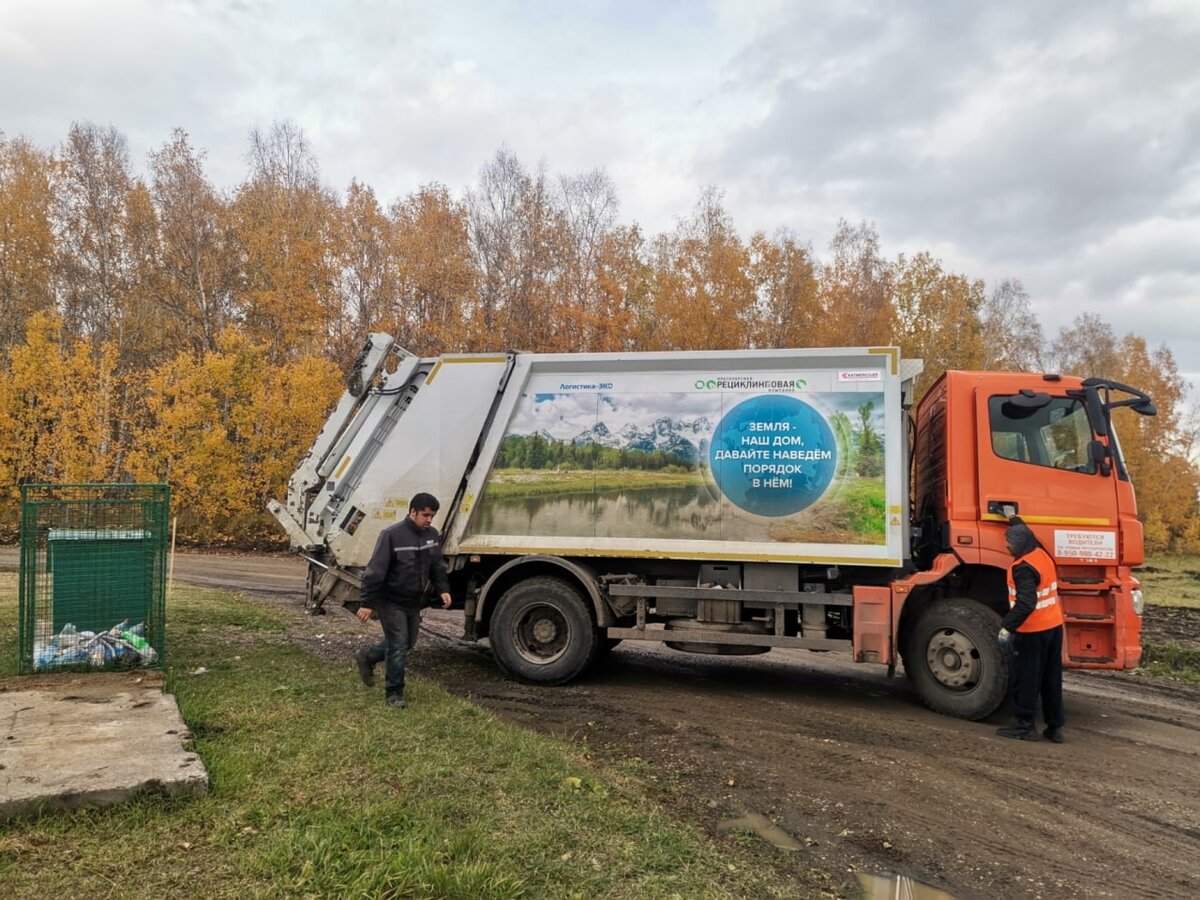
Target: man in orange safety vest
(1034, 628)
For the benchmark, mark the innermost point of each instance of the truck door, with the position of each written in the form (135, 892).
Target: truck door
(1034, 455)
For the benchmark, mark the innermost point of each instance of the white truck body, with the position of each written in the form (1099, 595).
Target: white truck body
(721, 502)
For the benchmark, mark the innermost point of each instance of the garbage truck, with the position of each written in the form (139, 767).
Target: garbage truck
(731, 502)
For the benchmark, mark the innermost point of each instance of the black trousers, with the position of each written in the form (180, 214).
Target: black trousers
(401, 626)
(1037, 670)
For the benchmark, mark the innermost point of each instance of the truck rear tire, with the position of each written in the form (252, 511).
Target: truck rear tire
(543, 632)
(954, 662)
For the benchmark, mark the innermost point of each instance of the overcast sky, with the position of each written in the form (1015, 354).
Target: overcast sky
(1054, 142)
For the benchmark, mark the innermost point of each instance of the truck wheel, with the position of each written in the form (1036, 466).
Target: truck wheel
(543, 632)
(954, 662)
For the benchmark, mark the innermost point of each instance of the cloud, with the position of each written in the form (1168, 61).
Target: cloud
(1052, 142)
(1056, 143)
(937, 122)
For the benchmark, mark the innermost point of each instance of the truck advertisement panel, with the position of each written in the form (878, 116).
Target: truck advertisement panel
(685, 456)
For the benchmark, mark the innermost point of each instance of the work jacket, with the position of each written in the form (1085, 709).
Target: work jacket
(407, 568)
(1044, 612)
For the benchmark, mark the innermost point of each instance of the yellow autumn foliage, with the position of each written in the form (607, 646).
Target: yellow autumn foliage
(226, 431)
(58, 409)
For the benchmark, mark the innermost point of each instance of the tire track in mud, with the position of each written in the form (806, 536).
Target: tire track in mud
(1049, 808)
(884, 785)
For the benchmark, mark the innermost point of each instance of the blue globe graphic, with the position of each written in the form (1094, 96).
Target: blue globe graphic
(773, 455)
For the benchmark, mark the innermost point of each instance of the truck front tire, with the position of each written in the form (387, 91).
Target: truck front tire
(543, 632)
(954, 662)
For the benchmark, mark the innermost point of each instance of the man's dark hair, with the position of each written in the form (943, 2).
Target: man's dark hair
(423, 501)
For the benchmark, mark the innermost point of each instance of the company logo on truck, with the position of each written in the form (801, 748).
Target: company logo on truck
(746, 383)
(586, 386)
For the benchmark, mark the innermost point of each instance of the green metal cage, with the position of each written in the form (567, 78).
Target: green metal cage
(93, 576)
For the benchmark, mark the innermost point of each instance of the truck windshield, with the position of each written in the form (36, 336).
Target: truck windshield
(1054, 435)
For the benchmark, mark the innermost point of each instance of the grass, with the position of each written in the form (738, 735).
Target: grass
(864, 501)
(1172, 661)
(317, 789)
(1171, 580)
(545, 482)
(854, 515)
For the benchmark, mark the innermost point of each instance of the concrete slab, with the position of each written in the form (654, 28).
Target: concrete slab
(70, 740)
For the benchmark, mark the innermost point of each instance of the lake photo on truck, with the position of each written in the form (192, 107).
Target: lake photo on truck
(854, 515)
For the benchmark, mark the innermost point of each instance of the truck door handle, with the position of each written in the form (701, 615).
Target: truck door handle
(1006, 508)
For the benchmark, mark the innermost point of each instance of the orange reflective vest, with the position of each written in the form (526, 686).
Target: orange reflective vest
(1047, 613)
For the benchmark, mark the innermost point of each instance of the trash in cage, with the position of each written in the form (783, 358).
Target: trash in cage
(119, 647)
(93, 576)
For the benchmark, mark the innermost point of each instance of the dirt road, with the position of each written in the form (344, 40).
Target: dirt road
(846, 761)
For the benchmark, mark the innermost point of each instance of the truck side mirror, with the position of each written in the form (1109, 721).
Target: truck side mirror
(1099, 455)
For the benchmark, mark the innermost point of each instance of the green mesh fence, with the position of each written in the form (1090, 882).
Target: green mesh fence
(93, 576)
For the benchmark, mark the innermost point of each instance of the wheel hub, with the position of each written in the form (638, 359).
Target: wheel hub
(544, 631)
(953, 659)
(541, 634)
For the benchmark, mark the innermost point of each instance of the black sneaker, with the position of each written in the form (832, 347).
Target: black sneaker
(1019, 731)
(366, 671)
(1053, 734)
(396, 700)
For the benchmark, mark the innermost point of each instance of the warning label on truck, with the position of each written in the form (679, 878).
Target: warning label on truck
(1088, 546)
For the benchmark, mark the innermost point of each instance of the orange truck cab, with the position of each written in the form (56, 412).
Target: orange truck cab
(990, 445)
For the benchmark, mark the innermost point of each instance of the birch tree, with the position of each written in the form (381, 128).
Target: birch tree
(26, 239)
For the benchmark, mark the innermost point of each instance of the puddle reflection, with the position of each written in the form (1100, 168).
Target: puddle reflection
(875, 887)
(898, 887)
(763, 827)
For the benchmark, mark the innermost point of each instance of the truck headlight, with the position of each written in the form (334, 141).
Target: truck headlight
(1139, 602)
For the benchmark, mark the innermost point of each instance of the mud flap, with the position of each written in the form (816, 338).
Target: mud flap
(873, 625)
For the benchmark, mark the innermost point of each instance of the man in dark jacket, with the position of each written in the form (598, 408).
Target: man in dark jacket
(1034, 627)
(406, 563)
